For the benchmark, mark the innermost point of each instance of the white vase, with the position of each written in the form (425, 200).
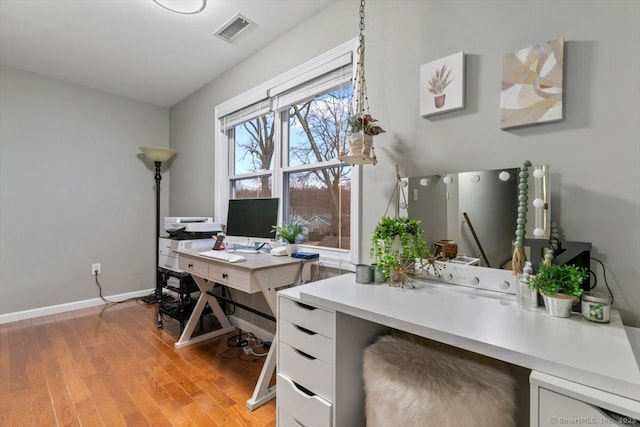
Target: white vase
(292, 248)
(360, 143)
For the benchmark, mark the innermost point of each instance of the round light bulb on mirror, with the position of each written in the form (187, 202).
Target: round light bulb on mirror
(447, 179)
(475, 178)
(504, 176)
(538, 232)
(538, 203)
(538, 173)
(425, 182)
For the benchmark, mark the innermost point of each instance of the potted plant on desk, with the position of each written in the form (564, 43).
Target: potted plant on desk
(292, 233)
(560, 286)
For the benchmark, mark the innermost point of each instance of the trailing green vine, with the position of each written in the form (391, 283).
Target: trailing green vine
(412, 244)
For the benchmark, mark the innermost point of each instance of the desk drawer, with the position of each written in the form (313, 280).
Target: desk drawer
(298, 408)
(305, 340)
(304, 369)
(312, 318)
(199, 268)
(235, 277)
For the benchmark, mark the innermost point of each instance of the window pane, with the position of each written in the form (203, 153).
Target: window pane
(317, 126)
(251, 187)
(320, 199)
(253, 145)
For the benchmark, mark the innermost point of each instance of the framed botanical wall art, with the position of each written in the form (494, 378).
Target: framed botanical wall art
(442, 85)
(532, 85)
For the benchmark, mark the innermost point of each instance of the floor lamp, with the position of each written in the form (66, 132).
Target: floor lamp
(158, 155)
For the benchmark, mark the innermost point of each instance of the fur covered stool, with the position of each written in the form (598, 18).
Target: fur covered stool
(412, 381)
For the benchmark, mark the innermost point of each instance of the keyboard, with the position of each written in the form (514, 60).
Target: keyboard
(224, 256)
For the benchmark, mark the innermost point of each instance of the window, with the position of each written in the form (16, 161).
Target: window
(282, 140)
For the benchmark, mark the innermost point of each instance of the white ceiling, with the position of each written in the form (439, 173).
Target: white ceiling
(135, 48)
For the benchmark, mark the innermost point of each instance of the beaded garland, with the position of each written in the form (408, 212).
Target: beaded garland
(523, 197)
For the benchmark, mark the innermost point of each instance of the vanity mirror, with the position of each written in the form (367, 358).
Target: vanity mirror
(474, 213)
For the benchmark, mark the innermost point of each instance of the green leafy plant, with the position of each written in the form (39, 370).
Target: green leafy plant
(364, 123)
(291, 232)
(387, 254)
(559, 279)
(439, 81)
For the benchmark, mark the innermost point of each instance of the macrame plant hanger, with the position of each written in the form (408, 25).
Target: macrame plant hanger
(398, 195)
(361, 107)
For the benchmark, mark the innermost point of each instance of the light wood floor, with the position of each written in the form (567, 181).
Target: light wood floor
(116, 368)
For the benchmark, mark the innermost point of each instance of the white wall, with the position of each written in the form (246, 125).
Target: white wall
(74, 190)
(594, 154)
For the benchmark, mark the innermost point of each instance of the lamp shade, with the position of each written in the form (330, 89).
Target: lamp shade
(158, 154)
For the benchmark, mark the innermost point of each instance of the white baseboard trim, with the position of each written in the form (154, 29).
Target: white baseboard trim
(247, 326)
(70, 306)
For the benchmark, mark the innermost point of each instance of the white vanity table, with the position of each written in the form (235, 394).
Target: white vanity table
(331, 321)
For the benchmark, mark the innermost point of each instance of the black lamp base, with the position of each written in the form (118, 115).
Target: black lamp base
(153, 298)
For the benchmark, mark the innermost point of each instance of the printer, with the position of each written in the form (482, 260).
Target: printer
(185, 233)
(190, 227)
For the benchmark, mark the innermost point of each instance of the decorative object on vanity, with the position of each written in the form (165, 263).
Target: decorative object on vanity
(519, 258)
(445, 249)
(362, 127)
(292, 233)
(560, 286)
(532, 85)
(595, 307)
(396, 245)
(442, 85)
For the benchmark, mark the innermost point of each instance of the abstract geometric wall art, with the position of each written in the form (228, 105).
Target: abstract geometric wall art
(442, 85)
(532, 85)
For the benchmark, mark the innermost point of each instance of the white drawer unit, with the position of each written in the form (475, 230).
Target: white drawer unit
(305, 377)
(312, 318)
(556, 401)
(305, 340)
(300, 407)
(304, 369)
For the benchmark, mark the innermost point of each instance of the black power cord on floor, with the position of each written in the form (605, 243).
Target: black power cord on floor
(106, 301)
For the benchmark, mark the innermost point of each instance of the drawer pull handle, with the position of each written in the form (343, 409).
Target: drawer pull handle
(304, 330)
(303, 354)
(303, 389)
(305, 306)
(225, 275)
(190, 265)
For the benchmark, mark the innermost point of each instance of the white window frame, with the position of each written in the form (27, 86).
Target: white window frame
(343, 259)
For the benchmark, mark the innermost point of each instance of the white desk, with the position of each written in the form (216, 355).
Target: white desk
(260, 273)
(598, 356)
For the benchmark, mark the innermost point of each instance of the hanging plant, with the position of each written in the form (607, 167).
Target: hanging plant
(364, 123)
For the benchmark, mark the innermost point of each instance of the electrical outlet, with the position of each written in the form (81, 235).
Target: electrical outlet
(95, 268)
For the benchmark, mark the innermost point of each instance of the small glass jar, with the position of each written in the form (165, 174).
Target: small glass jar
(596, 307)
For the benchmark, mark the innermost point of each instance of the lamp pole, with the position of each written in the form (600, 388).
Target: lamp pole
(157, 155)
(158, 178)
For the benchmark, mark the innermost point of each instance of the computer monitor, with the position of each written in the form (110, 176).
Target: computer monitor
(249, 221)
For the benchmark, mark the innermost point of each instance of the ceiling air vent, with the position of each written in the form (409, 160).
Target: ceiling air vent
(230, 29)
